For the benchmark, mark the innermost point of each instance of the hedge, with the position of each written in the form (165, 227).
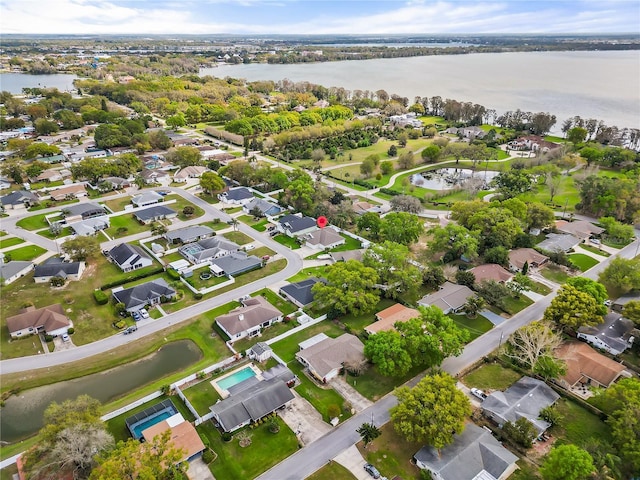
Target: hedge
(131, 278)
(173, 274)
(101, 297)
(389, 192)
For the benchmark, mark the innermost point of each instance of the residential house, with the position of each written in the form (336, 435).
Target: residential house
(90, 226)
(49, 176)
(152, 176)
(296, 225)
(115, 183)
(51, 159)
(234, 264)
(474, 454)
(19, 199)
(323, 239)
(364, 207)
(236, 196)
(326, 358)
(255, 314)
(267, 209)
(251, 404)
(405, 119)
(129, 257)
(491, 271)
(619, 304)
(387, 318)
(207, 151)
(578, 228)
(559, 242)
(585, 366)
(260, 352)
(450, 297)
(208, 249)
(300, 293)
(470, 133)
(525, 398)
(520, 256)
(11, 271)
(72, 191)
(155, 213)
(149, 197)
(82, 211)
(348, 255)
(188, 234)
(614, 334)
(534, 143)
(120, 150)
(56, 267)
(50, 320)
(192, 171)
(5, 183)
(149, 293)
(183, 436)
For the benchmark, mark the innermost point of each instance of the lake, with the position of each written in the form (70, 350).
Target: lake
(22, 415)
(15, 82)
(600, 85)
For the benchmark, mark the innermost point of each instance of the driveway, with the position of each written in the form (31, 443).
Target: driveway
(352, 460)
(304, 420)
(492, 317)
(350, 394)
(59, 345)
(198, 470)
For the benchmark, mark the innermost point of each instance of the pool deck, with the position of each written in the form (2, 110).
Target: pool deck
(225, 393)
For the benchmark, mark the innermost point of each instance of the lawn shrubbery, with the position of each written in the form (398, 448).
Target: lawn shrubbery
(132, 278)
(101, 297)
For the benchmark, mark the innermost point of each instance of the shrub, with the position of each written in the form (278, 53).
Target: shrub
(388, 191)
(48, 338)
(197, 296)
(119, 325)
(100, 297)
(226, 437)
(57, 281)
(173, 274)
(208, 456)
(71, 331)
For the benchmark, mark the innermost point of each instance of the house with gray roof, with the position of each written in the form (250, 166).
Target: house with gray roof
(189, 234)
(129, 257)
(155, 213)
(323, 239)
(255, 314)
(267, 209)
(234, 264)
(450, 298)
(260, 352)
(150, 197)
(208, 249)
(326, 358)
(296, 225)
(90, 226)
(149, 293)
(114, 183)
(251, 404)
(299, 293)
(19, 199)
(11, 271)
(82, 211)
(558, 242)
(614, 334)
(56, 267)
(525, 398)
(619, 304)
(236, 196)
(474, 455)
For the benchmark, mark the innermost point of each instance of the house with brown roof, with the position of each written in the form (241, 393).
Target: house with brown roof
(255, 314)
(520, 256)
(585, 366)
(183, 436)
(192, 171)
(325, 358)
(491, 271)
(49, 320)
(49, 176)
(578, 228)
(72, 191)
(450, 298)
(387, 318)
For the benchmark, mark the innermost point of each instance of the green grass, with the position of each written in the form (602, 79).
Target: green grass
(66, 231)
(126, 221)
(172, 257)
(332, 471)
(475, 326)
(232, 210)
(216, 225)
(287, 347)
(540, 289)
(118, 204)
(25, 254)
(308, 272)
(373, 385)
(262, 251)
(582, 262)
(10, 242)
(196, 282)
(268, 333)
(579, 426)
(596, 250)
(211, 199)
(391, 454)
(287, 241)
(277, 301)
(266, 450)
(554, 273)
(34, 222)
(202, 396)
(513, 305)
(259, 224)
(238, 237)
(179, 205)
(358, 322)
(491, 376)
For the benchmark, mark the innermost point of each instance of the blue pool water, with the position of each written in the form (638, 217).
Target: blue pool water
(236, 378)
(150, 422)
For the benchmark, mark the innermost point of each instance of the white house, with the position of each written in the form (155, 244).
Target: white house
(129, 257)
(255, 314)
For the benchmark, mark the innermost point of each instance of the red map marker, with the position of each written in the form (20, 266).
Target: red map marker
(322, 222)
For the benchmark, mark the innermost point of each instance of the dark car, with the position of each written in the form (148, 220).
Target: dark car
(371, 470)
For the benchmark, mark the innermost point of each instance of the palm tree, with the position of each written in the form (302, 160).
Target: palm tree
(369, 432)
(235, 224)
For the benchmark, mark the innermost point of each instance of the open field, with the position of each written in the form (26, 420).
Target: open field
(25, 254)
(491, 376)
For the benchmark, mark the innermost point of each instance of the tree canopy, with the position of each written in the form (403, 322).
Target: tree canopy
(622, 274)
(567, 462)
(401, 227)
(81, 248)
(573, 308)
(390, 260)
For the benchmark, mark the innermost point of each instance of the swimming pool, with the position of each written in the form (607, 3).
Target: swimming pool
(150, 422)
(235, 378)
(139, 422)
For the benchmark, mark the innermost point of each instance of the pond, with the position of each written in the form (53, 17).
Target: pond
(22, 415)
(448, 178)
(15, 82)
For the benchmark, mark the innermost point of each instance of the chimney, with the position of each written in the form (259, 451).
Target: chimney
(241, 317)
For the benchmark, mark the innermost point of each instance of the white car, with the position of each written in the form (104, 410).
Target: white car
(144, 313)
(478, 393)
(594, 241)
(65, 337)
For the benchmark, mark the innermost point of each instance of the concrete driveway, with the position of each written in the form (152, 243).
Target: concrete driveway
(352, 460)
(304, 420)
(60, 345)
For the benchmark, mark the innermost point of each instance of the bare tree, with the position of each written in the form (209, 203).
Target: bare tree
(553, 184)
(406, 203)
(531, 342)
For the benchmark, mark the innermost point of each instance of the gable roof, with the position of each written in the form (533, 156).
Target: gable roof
(55, 267)
(84, 209)
(614, 331)
(237, 262)
(51, 318)
(208, 247)
(147, 197)
(389, 316)
(450, 297)
(331, 353)
(141, 294)
(519, 256)
(123, 252)
(294, 223)
(191, 170)
(9, 269)
(255, 311)
(491, 271)
(472, 452)
(525, 398)
(183, 435)
(19, 197)
(240, 193)
(263, 205)
(66, 191)
(89, 226)
(629, 297)
(558, 242)
(188, 233)
(578, 228)
(583, 361)
(301, 291)
(324, 237)
(154, 212)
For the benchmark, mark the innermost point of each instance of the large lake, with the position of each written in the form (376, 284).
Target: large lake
(15, 82)
(601, 85)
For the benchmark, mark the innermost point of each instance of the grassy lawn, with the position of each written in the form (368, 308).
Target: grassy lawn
(172, 257)
(10, 242)
(211, 199)
(232, 210)
(358, 322)
(582, 261)
(308, 272)
(491, 376)
(287, 241)
(127, 222)
(579, 426)
(65, 232)
(475, 326)
(262, 251)
(267, 334)
(332, 471)
(391, 454)
(540, 288)
(202, 396)
(34, 222)
(179, 205)
(513, 305)
(216, 225)
(25, 254)
(596, 250)
(287, 347)
(554, 273)
(118, 204)
(196, 282)
(238, 237)
(277, 301)
(373, 385)
(259, 224)
(266, 450)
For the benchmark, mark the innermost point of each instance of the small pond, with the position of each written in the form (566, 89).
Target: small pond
(448, 178)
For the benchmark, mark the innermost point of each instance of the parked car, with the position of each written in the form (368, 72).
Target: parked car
(144, 313)
(371, 470)
(594, 241)
(136, 316)
(478, 393)
(66, 337)
(608, 303)
(129, 330)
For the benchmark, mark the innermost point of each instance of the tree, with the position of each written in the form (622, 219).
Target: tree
(520, 283)
(188, 210)
(527, 344)
(401, 227)
(433, 277)
(317, 155)
(465, 277)
(45, 127)
(393, 151)
(349, 288)
(597, 290)
(81, 248)
(390, 261)
(567, 462)
(132, 460)
(387, 351)
(402, 139)
(370, 222)
(493, 292)
(521, 431)
(616, 231)
(158, 229)
(184, 156)
(431, 153)
(406, 203)
(577, 135)
(368, 432)
(13, 169)
(454, 239)
(367, 167)
(499, 255)
(512, 183)
(632, 311)
(176, 121)
(40, 149)
(431, 412)
(406, 161)
(473, 306)
(211, 182)
(539, 215)
(572, 308)
(159, 140)
(622, 274)
(549, 367)
(386, 168)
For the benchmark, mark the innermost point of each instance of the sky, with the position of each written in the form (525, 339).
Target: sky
(318, 16)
